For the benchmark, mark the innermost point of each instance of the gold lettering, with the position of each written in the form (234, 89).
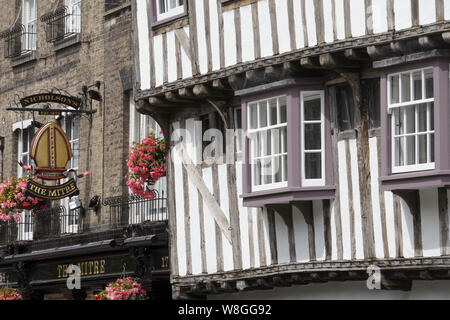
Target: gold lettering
(64, 270)
(102, 266)
(59, 270)
(96, 271)
(91, 263)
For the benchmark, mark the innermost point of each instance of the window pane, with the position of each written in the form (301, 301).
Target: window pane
(313, 165)
(284, 167)
(257, 173)
(267, 136)
(273, 112)
(267, 170)
(395, 89)
(406, 87)
(25, 142)
(276, 139)
(411, 150)
(313, 139)
(75, 152)
(422, 114)
(410, 113)
(253, 116)
(429, 86)
(312, 107)
(282, 104)
(258, 144)
(162, 6)
(278, 170)
(417, 79)
(398, 121)
(262, 114)
(423, 149)
(399, 147)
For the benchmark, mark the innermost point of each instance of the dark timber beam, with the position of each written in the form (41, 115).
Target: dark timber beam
(204, 91)
(161, 102)
(310, 63)
(237, 81)
(255, 76)
(334, 61)
(273, 73)
(356, 54)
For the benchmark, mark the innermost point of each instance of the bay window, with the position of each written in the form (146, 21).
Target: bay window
(411, 103)
(286, 152)
(414, 125)
(268, 133)
(167, 10)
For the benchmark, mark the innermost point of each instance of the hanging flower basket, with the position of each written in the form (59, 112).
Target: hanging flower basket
(147, 163)
(123, 289)
(13, 199)
(7, 293)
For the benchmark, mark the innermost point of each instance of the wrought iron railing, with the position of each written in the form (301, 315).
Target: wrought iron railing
(62, 22)
(19, 39)
(132, 209)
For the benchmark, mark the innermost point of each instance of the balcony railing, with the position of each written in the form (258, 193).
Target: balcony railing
(62, 22)
(132, 209)
(57, 221)
(19, 39)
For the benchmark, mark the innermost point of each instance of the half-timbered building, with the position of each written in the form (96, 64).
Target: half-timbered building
(342, 166)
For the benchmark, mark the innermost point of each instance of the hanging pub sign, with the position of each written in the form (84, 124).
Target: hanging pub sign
(51, 151)
(70, 101)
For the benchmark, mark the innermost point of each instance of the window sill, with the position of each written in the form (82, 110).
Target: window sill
(174, 22)
(286, 195)
(67, 42)
(416, 180)
(22, 59)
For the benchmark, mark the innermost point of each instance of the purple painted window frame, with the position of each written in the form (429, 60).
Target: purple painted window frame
(440, 176)
(294, 191)
(156, 24)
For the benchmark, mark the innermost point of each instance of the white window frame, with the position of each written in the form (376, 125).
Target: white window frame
(169, 13)
(321, 181)
(251, 134)
(73, 20)
(239, 142)
(68, 226)
(29, 21)
(411, 104)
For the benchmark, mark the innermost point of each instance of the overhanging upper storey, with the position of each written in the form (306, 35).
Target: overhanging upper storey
(217, 39)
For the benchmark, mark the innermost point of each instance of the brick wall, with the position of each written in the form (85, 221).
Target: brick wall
(103, 54)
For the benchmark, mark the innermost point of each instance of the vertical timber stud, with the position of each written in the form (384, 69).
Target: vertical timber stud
(286, 211)
(336, 202)
(382, 205)
(233, 204)
(320, 26)
(292, 36)
(443, 220)
(333, 16)
(347, 22)
(193, 37)
(273, 25)
(390, 15)
(440, 10)
(216, 191)
(363, 164)
(304, 24)
(272, 236)
(135, 39)
(150, 45)
(327, 228)
(415, 13)
(237, 28)
(207, 34)
(261, 238)
(255, 24)
(412, 200)
(165, 58)
(398, 227)
(351, 207)
(369, 16)
(221, 36)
